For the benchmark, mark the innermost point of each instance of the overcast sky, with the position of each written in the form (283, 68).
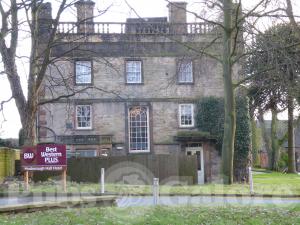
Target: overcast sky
(118, 12)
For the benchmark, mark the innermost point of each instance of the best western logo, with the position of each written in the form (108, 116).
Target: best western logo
(29, 155)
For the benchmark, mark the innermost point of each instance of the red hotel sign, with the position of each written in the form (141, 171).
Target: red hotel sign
(51, 157)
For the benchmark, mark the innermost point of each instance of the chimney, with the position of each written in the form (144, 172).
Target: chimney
(85, 16)
(44, 17)
(177, 14)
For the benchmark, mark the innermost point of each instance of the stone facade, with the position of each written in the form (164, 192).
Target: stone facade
(161, 50)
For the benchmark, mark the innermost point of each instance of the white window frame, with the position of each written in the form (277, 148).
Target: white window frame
(180, 114)
(185, 70)
(133, 67)
(148, 131)
(91, 117)
(87, 73)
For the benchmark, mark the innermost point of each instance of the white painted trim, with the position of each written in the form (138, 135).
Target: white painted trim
(91, 120)
(82, 61)
(126, 72)
(148, 132)
(179, 116)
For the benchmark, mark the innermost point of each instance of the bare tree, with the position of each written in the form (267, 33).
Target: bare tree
(43, 32)
(39, 57)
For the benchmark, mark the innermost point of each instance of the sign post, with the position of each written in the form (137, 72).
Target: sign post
(102, 181)
(26, 178)
(44, 157)
(250, 180)
(64, 180)
(155, 190)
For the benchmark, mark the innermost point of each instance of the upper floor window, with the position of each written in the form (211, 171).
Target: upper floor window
(185, 71)
(83, 72)
(84, 117)
(134, 72)
(186, 115)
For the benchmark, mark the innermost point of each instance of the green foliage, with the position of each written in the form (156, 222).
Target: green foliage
(274, 65)
(283, 160)
(9, 143)
(256, 143)
(242, 137)
(2, 143)
(161, 215)
(210, 118)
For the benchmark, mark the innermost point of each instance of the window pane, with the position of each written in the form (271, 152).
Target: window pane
(83, 72)
(186, 115)
(83, 116)
(134, 71)
(138, 130)
(185, 72)
(86, 153)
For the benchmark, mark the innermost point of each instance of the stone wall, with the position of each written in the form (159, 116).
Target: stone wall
(159, 80)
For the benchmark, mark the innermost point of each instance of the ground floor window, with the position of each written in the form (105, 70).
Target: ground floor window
(139, 129)
(84, 117)
(86, 153)
(186, 115)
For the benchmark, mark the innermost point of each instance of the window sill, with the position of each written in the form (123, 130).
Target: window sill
(186, 127)
(134, 83)
(83, 84)
(185, 83)
(87, 129)
(138, 151)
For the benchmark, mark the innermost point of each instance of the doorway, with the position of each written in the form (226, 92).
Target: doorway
(198, 151)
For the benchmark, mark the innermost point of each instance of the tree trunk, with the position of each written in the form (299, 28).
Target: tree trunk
(266, 137)
(291, 140)
(274, 141)
(290, 14)
(255, 146)
(230, 116)
(28, 121)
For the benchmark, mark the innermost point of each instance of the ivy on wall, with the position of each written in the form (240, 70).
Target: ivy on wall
(210, 118)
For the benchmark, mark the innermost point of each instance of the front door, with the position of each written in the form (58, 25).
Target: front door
(198, 151)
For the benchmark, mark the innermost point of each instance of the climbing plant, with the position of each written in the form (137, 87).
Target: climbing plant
(210, 118)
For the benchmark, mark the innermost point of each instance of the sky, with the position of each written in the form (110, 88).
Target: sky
(117, 11)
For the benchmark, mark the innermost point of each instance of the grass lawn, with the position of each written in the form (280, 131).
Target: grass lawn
(160, 215)
(264, 183)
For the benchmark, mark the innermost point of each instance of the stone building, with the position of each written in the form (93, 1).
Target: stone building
(131, 87)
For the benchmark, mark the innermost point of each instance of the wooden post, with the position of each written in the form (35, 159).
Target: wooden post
(64, 180)
(26, 180)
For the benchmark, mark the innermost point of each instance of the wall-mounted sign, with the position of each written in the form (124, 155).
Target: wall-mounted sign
(44, 157)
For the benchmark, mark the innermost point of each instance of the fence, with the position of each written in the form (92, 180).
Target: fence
(132, 169)
(7, 161)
